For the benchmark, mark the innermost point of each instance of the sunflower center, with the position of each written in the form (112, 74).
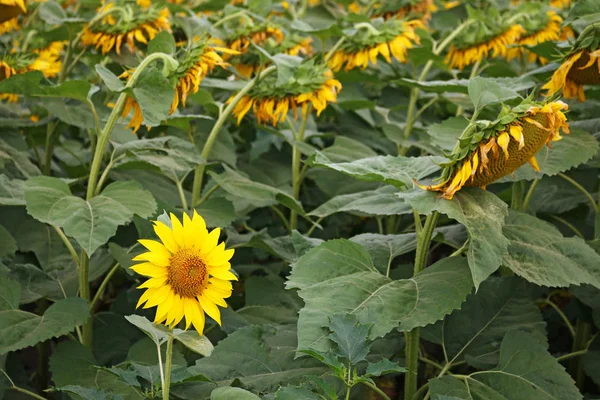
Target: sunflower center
(187, 273)
(585, 76)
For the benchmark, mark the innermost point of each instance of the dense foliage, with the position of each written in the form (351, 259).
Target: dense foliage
(300, 199)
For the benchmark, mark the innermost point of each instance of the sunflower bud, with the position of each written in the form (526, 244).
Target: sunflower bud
(504, 147)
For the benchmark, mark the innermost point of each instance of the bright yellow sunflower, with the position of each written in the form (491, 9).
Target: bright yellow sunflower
(550, 31)
(271, 104)
(391, 38)
(189, 272)
(580, 67)
(131, 23)
(503, 146)
(9, 14)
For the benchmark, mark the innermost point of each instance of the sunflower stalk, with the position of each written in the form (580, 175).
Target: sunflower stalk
(243, 13)
(168, 364)
(296, 173)
(199, 172)
(367, 26)
(412, 337)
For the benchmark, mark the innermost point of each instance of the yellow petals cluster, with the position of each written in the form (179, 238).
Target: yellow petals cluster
(112, 34)
(9, 14)
(506, 150)
(242, 43)
(274, 109)
(396, 47)
(550, 32)
(189, 272)
(499, 45)
(578, 69)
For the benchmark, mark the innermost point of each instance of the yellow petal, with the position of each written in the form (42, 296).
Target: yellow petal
(516, 131)
(154, 282)
(222, 273)
(178, 233)
(165, 234)
(151, 270)
(210, 308)
(534, 164)
(210, 242)
(503, 140)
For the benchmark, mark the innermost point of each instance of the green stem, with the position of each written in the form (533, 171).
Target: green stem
(27, 392)
(587, 194)
(51, 128)
(348, 384)
(562, 316)
(419, 394)
(517, 195)
(199, 172)
(572, 355)
(583, 330)
(84, 293)
(104, 175)
(68, 244)
(374, 388)
(168, 362)
(529, 195)
(332, 51)
(314, 226)
(103, 285)
(184, 203)
(568, 225)
(367, 26)
(296, 160)
(412, 337)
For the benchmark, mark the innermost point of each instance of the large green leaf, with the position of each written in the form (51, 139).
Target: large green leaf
(232, 393)
(328, 277)
(154, 93)
(571, 151)
(482, 213)
(34, 84)
(397, 171)
(350, 337)
(90, 223)
(10, 292)
(462, 85)
(382, 201)
(11, 191)
(525, 371)
(539, 253)
(261, 357)
(384, 248)
(485, 91)
(20, 329)
(475, 331)
(16, 162)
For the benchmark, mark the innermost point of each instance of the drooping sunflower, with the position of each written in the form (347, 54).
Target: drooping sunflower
(190, 274)
(421, 9)
(487, 151)
(130, 23)
(490, 34)
(580, 66)
(9, 14)
(539, 28)
(195, 63)
(241, 40)
(391, 38)
(48, 60)
(312, 85)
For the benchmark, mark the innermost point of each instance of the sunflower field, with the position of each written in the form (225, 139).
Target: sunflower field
(300, 199)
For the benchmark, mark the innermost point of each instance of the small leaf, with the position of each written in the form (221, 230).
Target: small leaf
(484, 91)
(383, 367)
(157, 333)
(110, 80)
(232, 393)
(350, 337)
(193, 341)
(163, 42)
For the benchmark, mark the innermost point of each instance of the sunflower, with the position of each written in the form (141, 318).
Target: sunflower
(505, 144)
(467, 54)
(138, 23)
(257, 34)
(271, 103)
(189, 272)
(421, 8)
(550, 31)
(393, 38)
(9, 14)
(197, 61)
(560, 4)
(581, 67)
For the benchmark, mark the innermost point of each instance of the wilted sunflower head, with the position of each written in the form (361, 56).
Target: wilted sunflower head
(487, 151)
(391, 38)
(580, 66)
(129, 22)
(240, 38)
(311, 87)
(413, 9)
(9, 14)
(539, 26)
(491, 33)
(189, 272)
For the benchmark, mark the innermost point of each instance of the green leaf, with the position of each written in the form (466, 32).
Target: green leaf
(112, 82)
(52, 13)
(539, 253)
(382, 201)
(193, 341)
(85, 393)
(327, 276)
(232, 393)
(484, 91)
(91, 223)
(474, 332)
(350, 337)
(163, 42)
(10, 293)
(11, 191)
(446, 133)
(296, 393)
(383, 249)
(462, 85)
(383, 367)
(20, 329)
(347, 150)
(8, 245)
(573, 150)
(34, 84)
(257, 194)
(397, 171)
(261, 357)
(482, 213)
(156, 332)
(154, 93)
(16, 163)
(217, 212)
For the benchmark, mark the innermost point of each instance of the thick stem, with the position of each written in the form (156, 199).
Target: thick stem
(529, 195)
(518, 188)
(296, 175)
(103, 285)
(199, 173)
(49, 147)
(412, 337)
(168, 363)
(582, 335)
(68, 244)
(374, 388)
(84, 293)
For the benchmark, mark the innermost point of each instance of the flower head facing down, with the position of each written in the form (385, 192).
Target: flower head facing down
(129, 23)
(9, 14)
(546, 27)
(581, 66)
(189, 272)
(502, 146)
(312, 85)
(257, 34)
(391, 38)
